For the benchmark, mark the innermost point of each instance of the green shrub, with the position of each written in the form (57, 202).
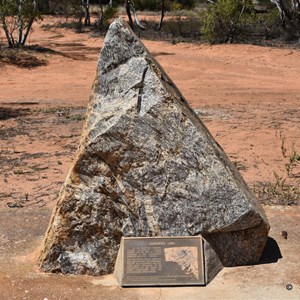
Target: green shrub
(152, 5)
(268, 25)
(186, 4)
(109, 13)
(176, 6)
(227, 20)
(155, 5)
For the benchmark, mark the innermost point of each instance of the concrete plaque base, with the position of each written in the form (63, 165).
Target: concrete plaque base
(166, 261)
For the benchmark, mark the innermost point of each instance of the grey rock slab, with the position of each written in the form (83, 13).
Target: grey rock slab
(146, 166)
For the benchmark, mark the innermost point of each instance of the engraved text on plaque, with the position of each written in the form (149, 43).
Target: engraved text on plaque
(162, 261)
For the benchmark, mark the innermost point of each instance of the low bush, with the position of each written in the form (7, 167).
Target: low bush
(224, 21)
(227, 20)
(155, 5)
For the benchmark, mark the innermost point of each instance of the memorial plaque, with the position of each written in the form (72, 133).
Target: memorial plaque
(160, 261)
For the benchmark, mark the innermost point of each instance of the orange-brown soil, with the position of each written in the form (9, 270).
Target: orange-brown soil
(248, 97)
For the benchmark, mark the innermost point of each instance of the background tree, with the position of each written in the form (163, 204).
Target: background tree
(17, 17)
(290, 15)
(87, 19)
(225, 20)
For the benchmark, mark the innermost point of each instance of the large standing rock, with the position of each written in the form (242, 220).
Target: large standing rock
(147, 166)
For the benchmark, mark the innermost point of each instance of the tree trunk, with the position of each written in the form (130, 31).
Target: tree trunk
(28, 28)
(20, 23)
(127, 6)
(162, 15)
(29, 25)
(87, 20)
(100, 22)
(282, 9)
(138, 23)
(4, 25)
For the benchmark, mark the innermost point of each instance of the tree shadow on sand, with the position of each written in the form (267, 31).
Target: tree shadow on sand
(34, 56)
(22, 58)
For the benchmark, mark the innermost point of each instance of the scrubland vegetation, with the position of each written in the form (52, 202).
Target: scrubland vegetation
(265, 22)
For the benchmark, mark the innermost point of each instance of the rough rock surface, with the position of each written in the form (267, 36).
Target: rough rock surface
(147, 166)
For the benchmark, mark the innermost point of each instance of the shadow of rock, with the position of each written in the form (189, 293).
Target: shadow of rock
(271, 253)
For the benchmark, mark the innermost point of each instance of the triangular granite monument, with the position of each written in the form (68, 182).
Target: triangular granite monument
(147, 166)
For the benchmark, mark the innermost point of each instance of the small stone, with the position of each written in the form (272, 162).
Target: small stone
(284, 234)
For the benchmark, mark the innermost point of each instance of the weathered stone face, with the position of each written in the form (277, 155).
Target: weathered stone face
(147, 166)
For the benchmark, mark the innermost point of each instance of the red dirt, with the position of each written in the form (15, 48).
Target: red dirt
(248, 97)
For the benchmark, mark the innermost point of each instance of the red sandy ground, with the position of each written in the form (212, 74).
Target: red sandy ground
(248, 97)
